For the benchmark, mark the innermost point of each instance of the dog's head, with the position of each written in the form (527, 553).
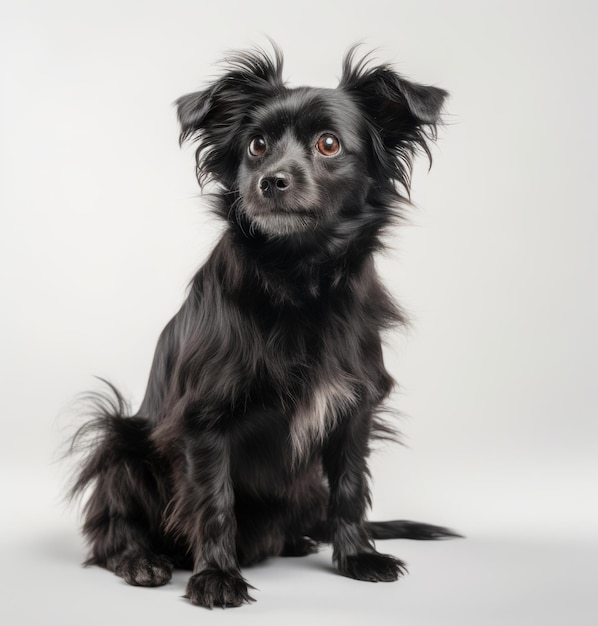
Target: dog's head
(306, 160)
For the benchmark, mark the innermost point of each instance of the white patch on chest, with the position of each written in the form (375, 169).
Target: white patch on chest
(333, 394)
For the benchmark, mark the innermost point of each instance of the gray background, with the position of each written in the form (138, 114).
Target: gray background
(102, 227)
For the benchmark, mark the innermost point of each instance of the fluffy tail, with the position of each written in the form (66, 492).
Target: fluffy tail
(396, 529)
(108, 437)
(123, 508)
(403, 529)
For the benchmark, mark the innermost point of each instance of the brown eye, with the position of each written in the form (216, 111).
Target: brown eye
(257, 146)
(328, 145)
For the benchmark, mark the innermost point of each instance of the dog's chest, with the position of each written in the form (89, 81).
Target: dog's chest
(329, 396)
(316, 372)
(288, 421)
(310, 358)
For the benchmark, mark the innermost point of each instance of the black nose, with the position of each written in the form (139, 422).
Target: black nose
(275, 184)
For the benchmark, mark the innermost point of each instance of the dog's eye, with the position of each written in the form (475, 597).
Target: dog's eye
(328, 145)
(257, 146)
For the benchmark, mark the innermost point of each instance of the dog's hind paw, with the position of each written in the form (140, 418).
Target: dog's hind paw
(214, 587)
(302, 546)
(372, 567)
(144, 570)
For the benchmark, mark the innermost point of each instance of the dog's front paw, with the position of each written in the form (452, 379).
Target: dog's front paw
(144, 570)
(372, 566)
(215, 587)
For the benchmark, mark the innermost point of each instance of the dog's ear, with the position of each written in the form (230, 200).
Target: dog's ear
(400, 118)
(192, 111)
(251, 76)
(399, 109)
(215, 116)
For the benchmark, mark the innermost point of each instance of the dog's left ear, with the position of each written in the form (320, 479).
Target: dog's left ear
(398, 108)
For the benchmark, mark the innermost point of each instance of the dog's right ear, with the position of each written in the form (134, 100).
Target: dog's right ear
(251, 77)
(216, 116)
(400, 110)
(192, 110)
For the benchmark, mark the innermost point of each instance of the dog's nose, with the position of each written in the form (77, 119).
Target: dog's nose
(275, 184)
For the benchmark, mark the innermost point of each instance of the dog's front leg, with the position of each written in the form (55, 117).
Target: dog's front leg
(205, 510)
(345, 462)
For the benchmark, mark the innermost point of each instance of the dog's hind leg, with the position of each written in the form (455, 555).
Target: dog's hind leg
(122, 516)
(306, 512)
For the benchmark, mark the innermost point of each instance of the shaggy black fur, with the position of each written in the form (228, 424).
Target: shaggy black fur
(252, 438)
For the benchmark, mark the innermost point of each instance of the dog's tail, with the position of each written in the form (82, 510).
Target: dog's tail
(98, 439)
(395, 529)
(116, 474)
(108, 438)
(404, 529)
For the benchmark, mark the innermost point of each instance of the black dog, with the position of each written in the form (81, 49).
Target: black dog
(252, 438)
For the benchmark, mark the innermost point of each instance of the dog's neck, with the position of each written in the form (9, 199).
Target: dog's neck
(293, 273)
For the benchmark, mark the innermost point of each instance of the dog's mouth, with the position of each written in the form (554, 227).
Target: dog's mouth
(290, 212)
(275, 218)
